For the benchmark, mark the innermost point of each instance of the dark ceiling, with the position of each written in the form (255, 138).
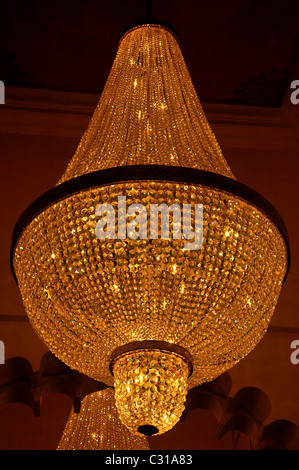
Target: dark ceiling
(238, 52)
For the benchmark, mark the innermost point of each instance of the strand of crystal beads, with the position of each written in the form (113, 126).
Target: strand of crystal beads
(98, 427)
(149, 112)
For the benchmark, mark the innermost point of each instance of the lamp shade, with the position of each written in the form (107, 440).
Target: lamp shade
(97, 283)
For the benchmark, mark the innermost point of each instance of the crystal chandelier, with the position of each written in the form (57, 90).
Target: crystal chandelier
(144, 313)
(98, 427)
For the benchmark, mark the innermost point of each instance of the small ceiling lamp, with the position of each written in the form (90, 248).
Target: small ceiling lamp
(98, 427)
(140, 310)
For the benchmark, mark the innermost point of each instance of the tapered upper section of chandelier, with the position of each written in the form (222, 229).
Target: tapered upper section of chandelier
(149, 112)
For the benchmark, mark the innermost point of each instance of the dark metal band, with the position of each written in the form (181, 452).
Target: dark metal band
(152, 345)
(161, 173)
(139, 24)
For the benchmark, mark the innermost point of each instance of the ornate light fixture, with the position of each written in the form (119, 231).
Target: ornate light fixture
(141, 313)
(98, 427)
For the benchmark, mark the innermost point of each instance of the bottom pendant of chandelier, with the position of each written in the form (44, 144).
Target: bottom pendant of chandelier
(98, 427)
(150, 389)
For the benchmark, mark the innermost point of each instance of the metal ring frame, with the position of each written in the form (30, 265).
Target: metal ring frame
(151, 345)
(158, 173)
(161, 24)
